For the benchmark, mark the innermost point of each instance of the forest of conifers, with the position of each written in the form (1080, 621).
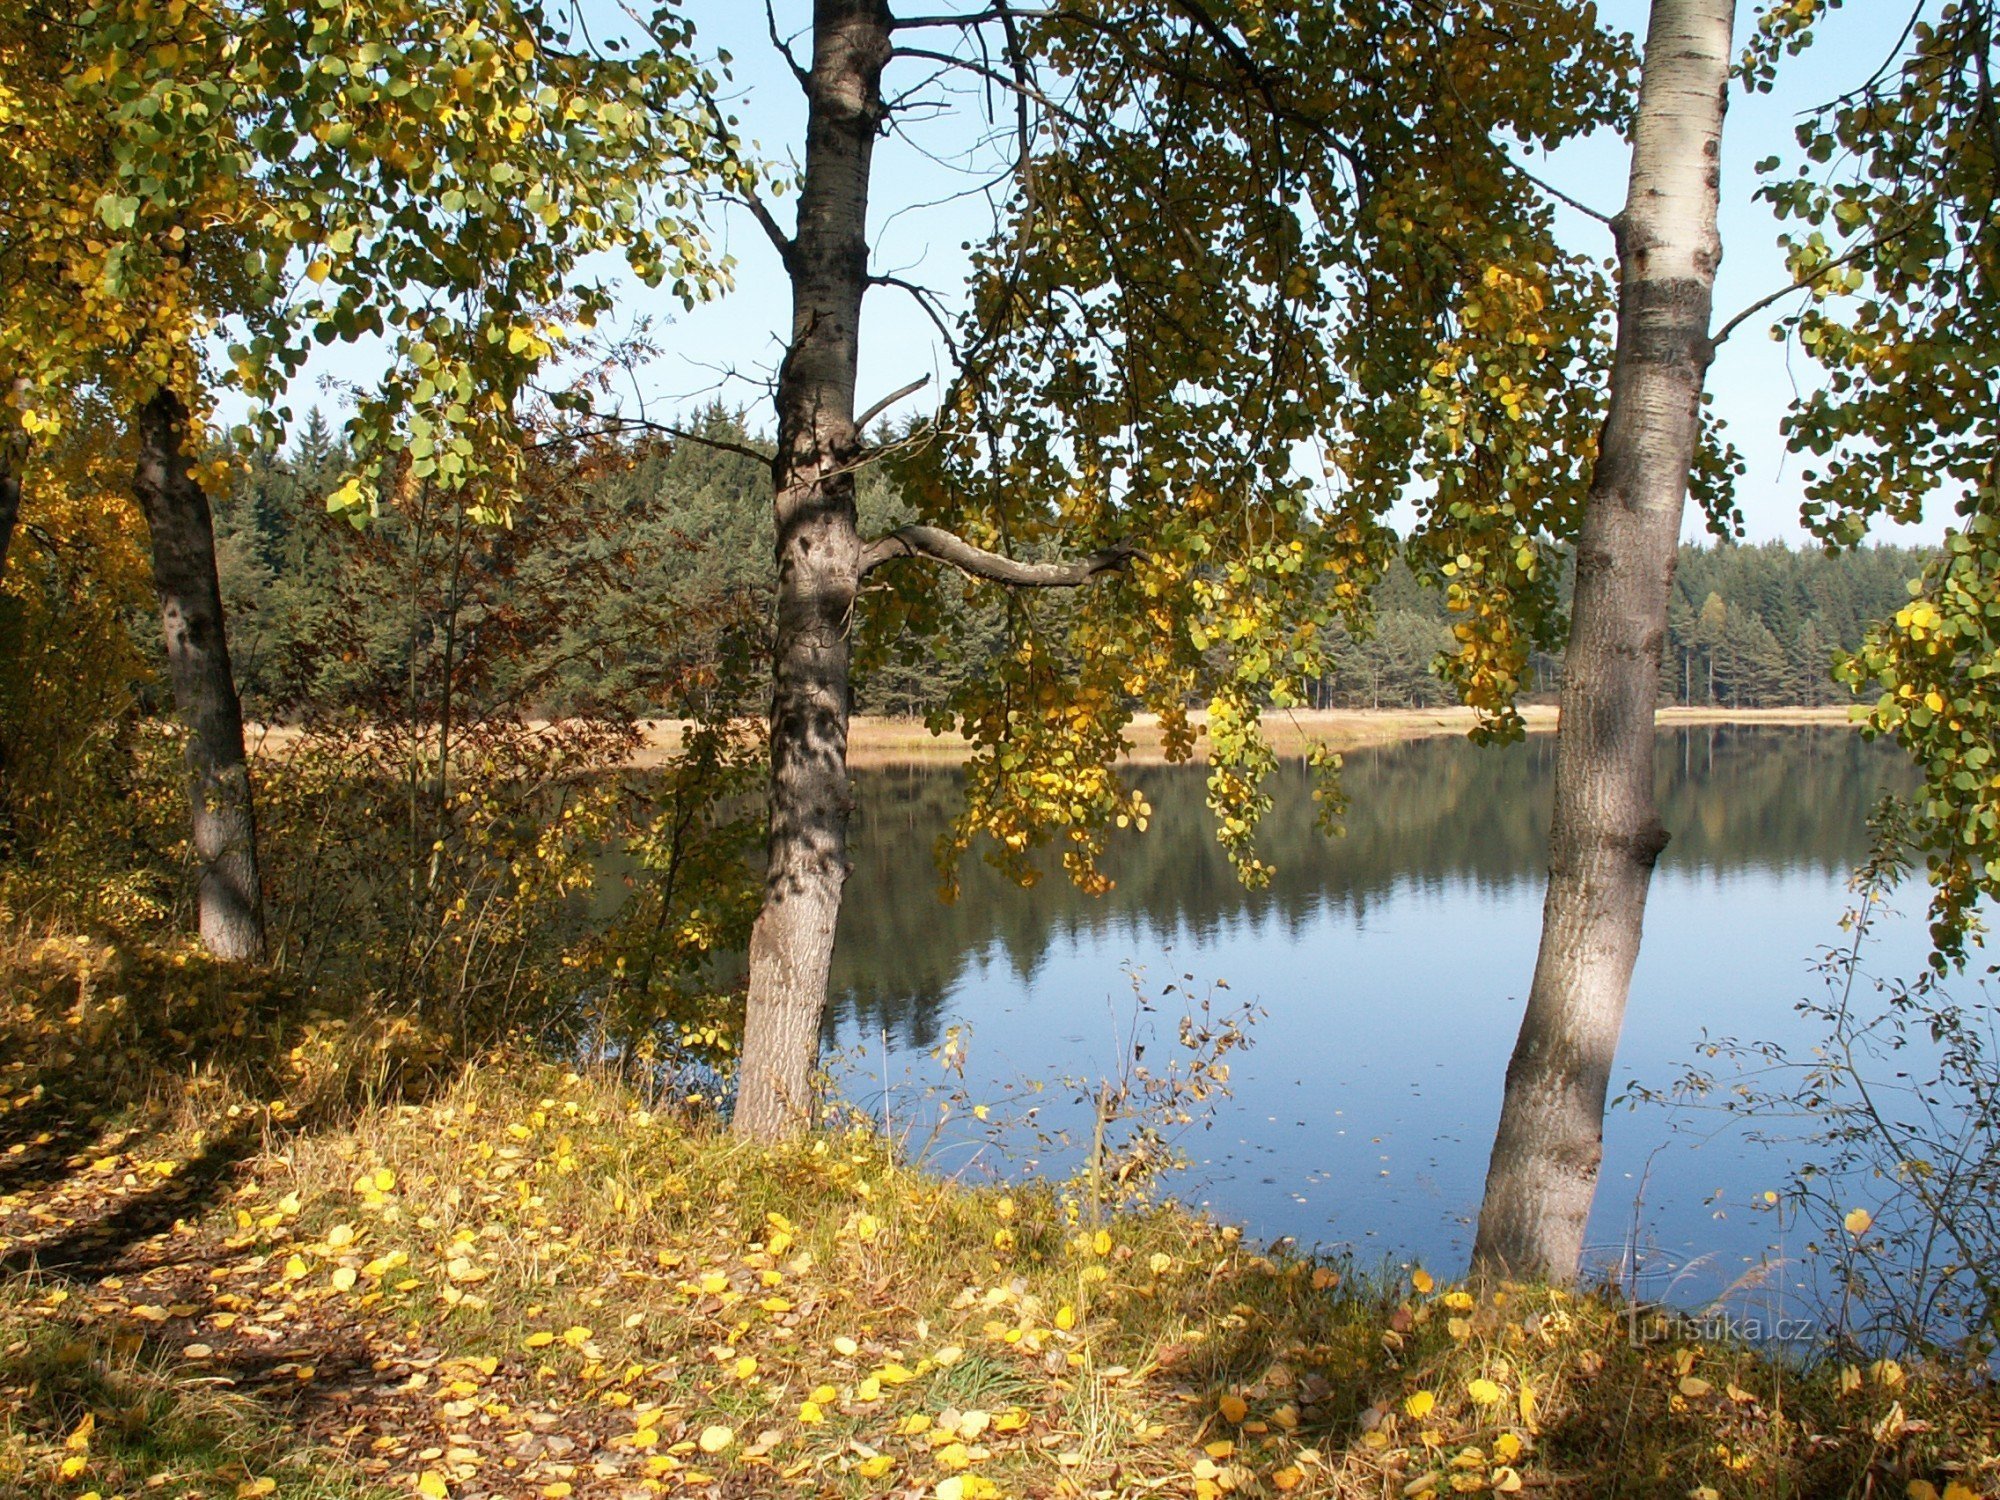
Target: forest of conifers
(327, 618)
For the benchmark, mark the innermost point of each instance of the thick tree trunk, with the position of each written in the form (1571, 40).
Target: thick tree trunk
(1606, 832)
(819, 556)
(229, 898)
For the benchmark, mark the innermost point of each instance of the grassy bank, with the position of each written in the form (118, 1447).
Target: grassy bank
(249, 1252)
(877, 741)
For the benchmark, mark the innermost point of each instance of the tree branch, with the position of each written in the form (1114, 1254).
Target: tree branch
(976, 562)
(781, 241)
(913, 23)
(861, 422)
(615, 423)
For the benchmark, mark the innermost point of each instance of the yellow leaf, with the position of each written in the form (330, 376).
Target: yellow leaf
(1288, 1478)
(1423, 1281)
(560, 1490)
(1419, 1403)
(74, 1465)
(1506, 1481)
(876, 1467)
(811, 1413)
(1483, 1392)
(1100, 1243)
(1959, 1491)
(847, 1346)
(1694, 1386)
(431, 1485)
(715, 1439)
(344, 1278)
(746, 1367)
(250, 1489)
(318, 271)
(1065, 1317)
(540, 1340)
(576, 1337)
(1234, 1408)
(953, 1456)
(1858, 1221)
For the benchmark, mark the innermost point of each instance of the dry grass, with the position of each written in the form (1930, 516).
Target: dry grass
(878, 741)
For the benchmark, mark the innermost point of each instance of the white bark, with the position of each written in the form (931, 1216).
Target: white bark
(1606, 835)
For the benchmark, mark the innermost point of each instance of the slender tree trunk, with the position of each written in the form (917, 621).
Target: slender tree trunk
(1606, 833)
(229, 898)
(13, 452)
(819, 570)
(10, 501)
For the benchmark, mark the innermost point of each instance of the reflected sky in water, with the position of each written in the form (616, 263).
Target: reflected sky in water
(1391, 965)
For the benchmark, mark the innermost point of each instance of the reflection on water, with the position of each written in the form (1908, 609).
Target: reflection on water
(1391, 964)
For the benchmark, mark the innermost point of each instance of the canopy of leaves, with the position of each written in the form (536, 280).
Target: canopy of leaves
(434, 173)
(1244, 382)
(1898, 241)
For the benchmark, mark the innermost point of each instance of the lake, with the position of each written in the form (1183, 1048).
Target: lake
(1391, 965)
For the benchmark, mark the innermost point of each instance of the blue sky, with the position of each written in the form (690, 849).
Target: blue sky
(926, 202)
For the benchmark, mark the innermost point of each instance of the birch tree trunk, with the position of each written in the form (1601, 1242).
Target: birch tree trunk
(819, 570)
(229, 898)
(1606, 833)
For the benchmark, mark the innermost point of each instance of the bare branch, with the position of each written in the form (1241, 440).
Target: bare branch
(861, 422)
(615, 423)
(1561, 197)
(926, 299)
(785, 49)
(912, 23)
(976, 562)
(781, 241)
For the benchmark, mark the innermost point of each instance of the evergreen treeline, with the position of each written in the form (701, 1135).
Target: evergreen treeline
(1749, 626)
(639, 583)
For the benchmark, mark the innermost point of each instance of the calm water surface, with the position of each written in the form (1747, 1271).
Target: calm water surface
(1391, 965)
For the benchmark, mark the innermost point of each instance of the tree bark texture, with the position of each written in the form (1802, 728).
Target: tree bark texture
(1606, 835)
(13, 454)
(10, 501)
(819, 559)
(229, 898)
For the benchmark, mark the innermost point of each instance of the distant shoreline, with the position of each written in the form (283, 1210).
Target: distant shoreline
(875, 740)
